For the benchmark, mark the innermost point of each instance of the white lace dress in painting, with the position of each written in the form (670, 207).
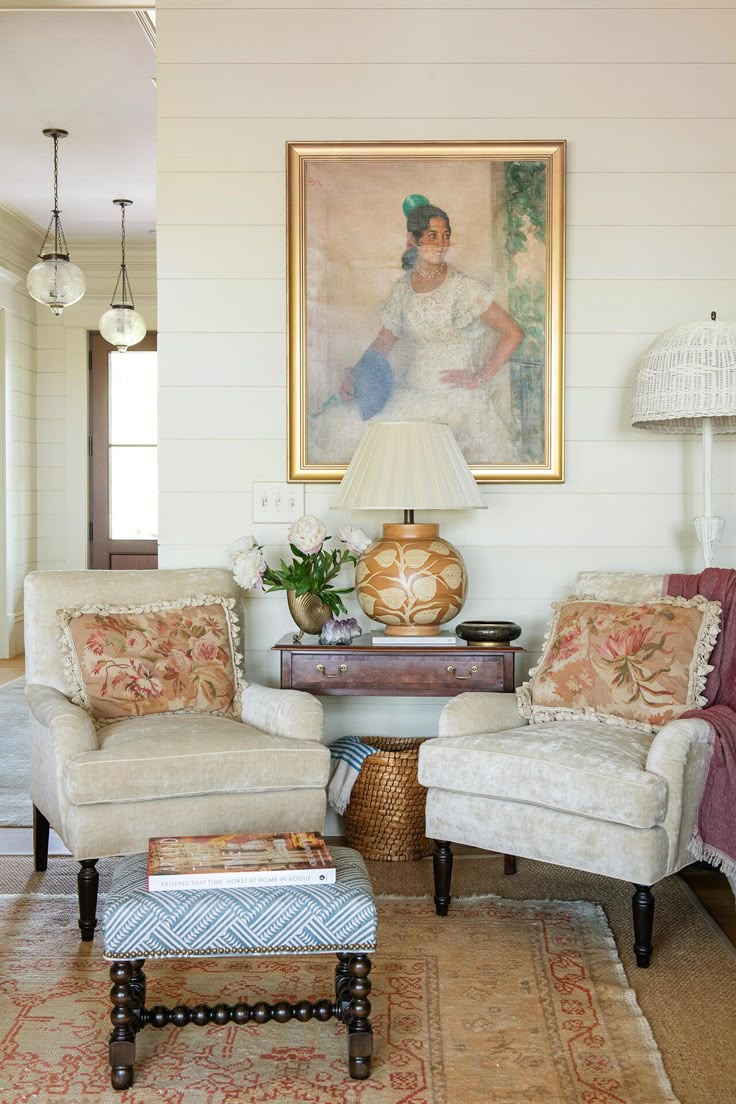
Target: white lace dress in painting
(443, 331)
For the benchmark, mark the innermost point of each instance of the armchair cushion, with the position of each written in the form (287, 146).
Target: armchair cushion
(578, 767)
(167, 657)
(165, 756)
(638, 665)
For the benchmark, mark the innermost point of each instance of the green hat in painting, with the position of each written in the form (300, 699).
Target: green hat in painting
(413, 201)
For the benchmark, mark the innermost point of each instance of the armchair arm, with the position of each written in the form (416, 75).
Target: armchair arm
(60, 731)
(680, 753)
(471, 714)
(292, 713)
(72, 730)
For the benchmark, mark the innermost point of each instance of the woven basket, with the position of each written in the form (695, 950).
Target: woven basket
(385, 817)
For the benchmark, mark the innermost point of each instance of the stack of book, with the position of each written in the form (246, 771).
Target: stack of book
(441, 640)
(257, 859)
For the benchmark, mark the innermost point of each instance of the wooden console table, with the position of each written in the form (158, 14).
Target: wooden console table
(406, 670)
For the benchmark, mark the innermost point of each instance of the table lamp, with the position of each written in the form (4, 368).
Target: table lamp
(411, 580)
(686, 383)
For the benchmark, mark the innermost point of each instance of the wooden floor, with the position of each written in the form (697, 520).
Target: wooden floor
(709, 885)
(11, 669)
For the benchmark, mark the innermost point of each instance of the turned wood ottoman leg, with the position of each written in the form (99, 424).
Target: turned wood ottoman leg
(360, 1032)
(342, 982)
(138, 985)
(442, 864)
(124, 996)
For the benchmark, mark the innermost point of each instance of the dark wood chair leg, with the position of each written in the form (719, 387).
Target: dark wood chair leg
(643, 906)
(442, 864)
(40, 840)
(87, 882)
(509, 864)
(123, 1019)
(360, 1032)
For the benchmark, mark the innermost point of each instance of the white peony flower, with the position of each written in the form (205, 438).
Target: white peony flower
(355, 538)
(242, 544)
(248, 569)
(308, 534)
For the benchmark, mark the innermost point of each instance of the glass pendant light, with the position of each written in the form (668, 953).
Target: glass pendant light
(122, 325)
(55, 281)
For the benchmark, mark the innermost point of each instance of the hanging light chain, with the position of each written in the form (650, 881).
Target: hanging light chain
(61, 249)
(56, 174)
(122, 282)
(122, 233)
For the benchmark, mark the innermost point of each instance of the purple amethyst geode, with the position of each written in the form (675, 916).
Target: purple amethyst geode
(339, 632)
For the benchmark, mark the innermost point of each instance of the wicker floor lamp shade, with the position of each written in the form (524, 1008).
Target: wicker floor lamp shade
(686, 383)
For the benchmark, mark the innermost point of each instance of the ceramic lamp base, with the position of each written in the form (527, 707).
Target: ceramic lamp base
(411, 580)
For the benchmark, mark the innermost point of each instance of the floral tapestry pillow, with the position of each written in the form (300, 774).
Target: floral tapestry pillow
(641, 665)
(171, 657)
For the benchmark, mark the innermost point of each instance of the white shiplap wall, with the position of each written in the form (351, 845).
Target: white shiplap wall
(18, 526)
(644, 96)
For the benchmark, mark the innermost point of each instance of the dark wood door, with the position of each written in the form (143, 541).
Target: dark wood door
(122, 456)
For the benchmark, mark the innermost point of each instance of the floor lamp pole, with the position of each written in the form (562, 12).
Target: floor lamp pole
(708, 528)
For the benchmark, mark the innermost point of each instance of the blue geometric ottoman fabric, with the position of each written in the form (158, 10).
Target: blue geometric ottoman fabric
(258, 920)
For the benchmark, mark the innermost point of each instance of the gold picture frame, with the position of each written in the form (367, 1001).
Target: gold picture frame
(348, 224)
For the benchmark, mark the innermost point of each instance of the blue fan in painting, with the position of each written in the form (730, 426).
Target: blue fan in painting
(372, 381)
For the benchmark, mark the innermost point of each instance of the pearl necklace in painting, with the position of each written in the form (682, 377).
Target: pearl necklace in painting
(425, 275)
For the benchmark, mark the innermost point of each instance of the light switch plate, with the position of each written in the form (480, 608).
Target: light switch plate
(277, 502)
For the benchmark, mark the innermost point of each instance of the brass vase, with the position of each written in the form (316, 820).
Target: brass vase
(309, 613)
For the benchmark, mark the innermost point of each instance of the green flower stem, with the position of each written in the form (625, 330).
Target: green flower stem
(312, 573)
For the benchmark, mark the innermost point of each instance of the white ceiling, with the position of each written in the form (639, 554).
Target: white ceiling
(91, 73)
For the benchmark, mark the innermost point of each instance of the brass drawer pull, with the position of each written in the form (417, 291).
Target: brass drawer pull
(471, 671)
(341, 671)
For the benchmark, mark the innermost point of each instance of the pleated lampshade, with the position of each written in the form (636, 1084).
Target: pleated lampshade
(408, 466)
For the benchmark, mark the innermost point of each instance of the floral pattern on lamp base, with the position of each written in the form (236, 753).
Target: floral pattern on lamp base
(412, 580)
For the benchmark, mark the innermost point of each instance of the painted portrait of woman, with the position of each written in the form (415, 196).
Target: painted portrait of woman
(425, 289)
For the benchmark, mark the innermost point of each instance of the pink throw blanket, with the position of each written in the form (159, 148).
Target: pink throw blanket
(714, 834)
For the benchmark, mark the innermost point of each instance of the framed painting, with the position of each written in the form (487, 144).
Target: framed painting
(426, 282)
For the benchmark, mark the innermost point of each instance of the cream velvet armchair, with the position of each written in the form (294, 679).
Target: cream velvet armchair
(595, 797)
(106, 790)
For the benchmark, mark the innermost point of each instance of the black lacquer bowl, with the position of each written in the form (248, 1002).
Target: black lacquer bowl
(491, 634)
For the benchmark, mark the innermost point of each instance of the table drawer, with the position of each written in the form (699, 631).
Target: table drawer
(441, 675)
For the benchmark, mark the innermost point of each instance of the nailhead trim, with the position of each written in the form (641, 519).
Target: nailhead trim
(224, 952)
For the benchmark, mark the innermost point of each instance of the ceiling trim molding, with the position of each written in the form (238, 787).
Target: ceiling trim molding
(106, 254)
(75, 5)
(149, 27)
(20, 239)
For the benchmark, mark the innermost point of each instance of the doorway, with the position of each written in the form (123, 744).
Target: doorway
(123, 455)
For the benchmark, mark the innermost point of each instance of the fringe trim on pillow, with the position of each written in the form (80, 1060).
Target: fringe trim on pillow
(698, 674)
(73, 669)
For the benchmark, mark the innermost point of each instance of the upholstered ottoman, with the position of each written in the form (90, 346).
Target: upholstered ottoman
(262, 920)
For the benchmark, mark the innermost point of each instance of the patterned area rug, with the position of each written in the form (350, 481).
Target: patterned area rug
(508, 1002)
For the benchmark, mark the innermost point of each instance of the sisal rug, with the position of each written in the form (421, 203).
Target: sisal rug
(15, 751)
(503, 1002)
